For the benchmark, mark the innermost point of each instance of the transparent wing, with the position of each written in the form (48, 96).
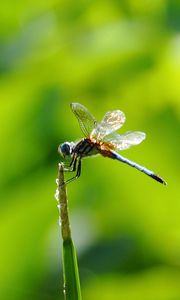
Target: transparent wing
(112, 121)
(86, 121)
(125, 141)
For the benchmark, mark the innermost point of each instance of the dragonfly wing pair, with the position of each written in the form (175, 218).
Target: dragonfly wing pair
(104, 131)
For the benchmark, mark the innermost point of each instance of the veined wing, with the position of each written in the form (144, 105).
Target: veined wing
(112, 121)
(86, 121)
(125, 141)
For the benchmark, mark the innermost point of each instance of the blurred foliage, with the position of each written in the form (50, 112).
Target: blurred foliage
(106, 55)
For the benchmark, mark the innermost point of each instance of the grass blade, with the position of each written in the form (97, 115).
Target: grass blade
(72, 290)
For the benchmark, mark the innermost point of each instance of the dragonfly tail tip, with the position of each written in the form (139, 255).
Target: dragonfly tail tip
(159, 179)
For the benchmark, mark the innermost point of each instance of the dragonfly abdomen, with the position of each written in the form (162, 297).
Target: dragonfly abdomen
(148, 172)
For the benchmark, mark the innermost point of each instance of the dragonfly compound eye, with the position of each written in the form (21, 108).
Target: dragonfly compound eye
(65, 149)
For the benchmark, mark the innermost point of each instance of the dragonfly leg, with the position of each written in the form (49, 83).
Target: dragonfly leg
(72, 166)
(78, 173)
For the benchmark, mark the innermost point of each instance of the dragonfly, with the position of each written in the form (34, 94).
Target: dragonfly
(102, 138)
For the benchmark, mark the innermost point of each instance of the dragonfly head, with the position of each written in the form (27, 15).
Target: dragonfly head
(66, 149)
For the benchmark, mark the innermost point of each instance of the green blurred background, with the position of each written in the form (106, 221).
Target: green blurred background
(106, 55)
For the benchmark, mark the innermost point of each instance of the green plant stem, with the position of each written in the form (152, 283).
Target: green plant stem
(63, 206)
(72, 290)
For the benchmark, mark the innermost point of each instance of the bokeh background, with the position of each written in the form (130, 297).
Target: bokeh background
(106, 55)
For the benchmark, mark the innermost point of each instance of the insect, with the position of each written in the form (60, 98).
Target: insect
(102, 138)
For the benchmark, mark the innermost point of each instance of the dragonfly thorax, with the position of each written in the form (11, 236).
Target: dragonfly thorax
(66, 149)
